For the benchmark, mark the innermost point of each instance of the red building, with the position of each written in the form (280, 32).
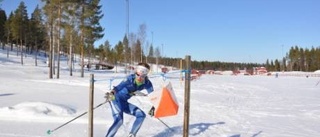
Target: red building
(260, 70)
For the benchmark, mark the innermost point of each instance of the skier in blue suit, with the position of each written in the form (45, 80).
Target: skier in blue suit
(120, 95)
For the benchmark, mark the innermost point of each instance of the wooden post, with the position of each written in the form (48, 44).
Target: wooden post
(187, 96)
(90, 112)
(181, 73)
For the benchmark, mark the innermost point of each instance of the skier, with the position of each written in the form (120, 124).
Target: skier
(120, 95)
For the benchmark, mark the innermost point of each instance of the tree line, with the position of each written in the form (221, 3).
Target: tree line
(72, 27)
(60, 26)
(297, 59)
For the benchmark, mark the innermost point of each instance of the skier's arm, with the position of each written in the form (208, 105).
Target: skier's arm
(121, 85)
(149, 86)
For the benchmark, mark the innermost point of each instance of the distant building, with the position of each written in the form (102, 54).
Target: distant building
(260, 70)
(244, 71)
(210, 72)
(195, 74)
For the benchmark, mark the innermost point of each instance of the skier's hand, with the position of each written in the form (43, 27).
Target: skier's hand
(109, 96)
(151, 111)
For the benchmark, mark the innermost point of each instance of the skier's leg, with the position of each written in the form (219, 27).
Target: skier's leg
(117, 114)
(140, 116)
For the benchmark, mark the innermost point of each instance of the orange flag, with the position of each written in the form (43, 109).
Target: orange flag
(164, 101)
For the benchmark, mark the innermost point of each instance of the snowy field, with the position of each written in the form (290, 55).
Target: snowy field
(221, 105)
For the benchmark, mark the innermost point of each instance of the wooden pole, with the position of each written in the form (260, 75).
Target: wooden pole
(187, 96)
(181, 73)
(90, 112)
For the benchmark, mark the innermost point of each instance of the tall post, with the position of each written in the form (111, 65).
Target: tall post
(187, 96)
(125, 49)
(127, 33)
(90, 112)
(181, 74)
(282, 61)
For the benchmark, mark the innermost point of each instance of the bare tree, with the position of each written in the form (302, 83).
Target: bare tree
(157, 55)
(147, 50)
(132, 42)
(142, 37)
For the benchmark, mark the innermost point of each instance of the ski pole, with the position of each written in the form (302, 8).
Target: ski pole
(142, 94)
(50, 131)
(165, 125)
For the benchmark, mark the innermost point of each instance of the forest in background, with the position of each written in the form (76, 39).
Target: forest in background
(72, 26)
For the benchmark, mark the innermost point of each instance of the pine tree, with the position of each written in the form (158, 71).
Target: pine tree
(119, 52)
(69, 23)
(49, 12)
(37, 32)
(19, 26)
(107, 51)
(3, 19)
(90, 29)
(8, 31)
(138, 51)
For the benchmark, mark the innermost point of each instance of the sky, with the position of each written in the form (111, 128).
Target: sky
(220, 105)
(249, 31)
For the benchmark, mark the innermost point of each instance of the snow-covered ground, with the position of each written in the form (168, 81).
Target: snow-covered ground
(220, 106)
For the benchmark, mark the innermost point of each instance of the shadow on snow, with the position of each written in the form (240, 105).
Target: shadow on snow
(6, 94)
(254, 135)
(201, 127)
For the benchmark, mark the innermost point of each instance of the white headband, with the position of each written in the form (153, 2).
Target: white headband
(142, 70)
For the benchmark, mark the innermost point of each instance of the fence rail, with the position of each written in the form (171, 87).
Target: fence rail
(311, 74)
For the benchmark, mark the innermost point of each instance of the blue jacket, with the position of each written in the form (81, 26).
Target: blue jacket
(125, 89)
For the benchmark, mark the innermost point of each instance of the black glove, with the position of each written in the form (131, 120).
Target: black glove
(109, 96)
(151, 111)
(132, 94)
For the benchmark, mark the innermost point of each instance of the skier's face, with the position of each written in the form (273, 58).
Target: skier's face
(141, 73)
(140, 77)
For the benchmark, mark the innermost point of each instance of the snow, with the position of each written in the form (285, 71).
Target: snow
(220, 105)
(317, 71)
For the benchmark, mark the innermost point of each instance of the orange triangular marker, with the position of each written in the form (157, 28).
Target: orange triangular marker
(167, 105)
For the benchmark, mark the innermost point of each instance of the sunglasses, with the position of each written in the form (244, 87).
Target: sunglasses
(141, 75)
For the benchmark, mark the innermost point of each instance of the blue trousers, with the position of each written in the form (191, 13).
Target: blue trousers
(119, 107)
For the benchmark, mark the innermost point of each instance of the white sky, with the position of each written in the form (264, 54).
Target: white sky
(221, 105)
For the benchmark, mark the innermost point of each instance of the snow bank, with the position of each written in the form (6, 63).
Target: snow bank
(35, 109)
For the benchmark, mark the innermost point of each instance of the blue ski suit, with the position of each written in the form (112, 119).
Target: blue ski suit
(123, 92)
